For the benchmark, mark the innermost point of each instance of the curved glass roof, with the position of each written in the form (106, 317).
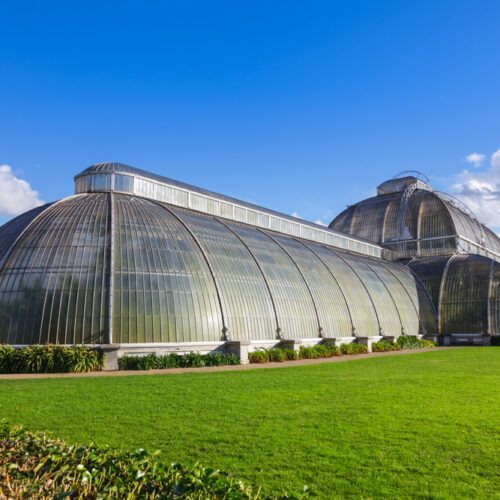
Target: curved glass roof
(412, 219)
(118, 177)
(118, 268)
(465, 290)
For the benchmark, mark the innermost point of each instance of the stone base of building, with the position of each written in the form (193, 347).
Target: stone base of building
(241, 348)
(476, 339)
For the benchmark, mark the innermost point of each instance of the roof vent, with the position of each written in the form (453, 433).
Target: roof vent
(402, 181)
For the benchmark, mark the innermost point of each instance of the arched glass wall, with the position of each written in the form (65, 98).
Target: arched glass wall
(175, 275)
(163, 288)
(464, 290)
(54, 282)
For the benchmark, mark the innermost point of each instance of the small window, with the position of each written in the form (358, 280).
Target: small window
(124, 183)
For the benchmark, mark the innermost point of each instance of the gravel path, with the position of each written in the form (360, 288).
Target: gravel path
(253, 366)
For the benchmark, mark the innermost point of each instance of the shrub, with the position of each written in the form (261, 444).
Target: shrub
(172, 360)
(307, 353)
(277, 355)
(192, 360)
(291, 354)
(409, 342)
(259, 356)
(322, 351)
(50, 359)
(413, 342)
(333, 350)
(384, 345)
(319, 351)
(353, 349)
(35, 466)
(231, 359)
(495, 340)
(427, 343)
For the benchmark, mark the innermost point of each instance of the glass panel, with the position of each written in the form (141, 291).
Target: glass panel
(179, 197)
(240, 214)
(226, 210)
(124, 183)
(198, 202)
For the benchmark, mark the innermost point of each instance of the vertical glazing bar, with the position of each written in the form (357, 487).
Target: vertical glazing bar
(111, 233)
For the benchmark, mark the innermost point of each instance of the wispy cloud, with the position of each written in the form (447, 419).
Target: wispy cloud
(16, 195)
(476, 159)
(296, 215)
(320, 222)
(480, 191)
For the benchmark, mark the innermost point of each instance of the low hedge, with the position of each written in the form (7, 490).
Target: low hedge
(191, 360)
(50, 359)
(313, 352)
(328, 351)
(35, 466)
(319, 351)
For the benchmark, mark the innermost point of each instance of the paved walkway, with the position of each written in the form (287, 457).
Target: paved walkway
(253, 366)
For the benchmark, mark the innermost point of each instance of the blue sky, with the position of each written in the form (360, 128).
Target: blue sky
(297, 106)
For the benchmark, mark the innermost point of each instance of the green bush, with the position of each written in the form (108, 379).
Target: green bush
(319, 351)
(409, 342)
(218, 359)
(173, 360)
(427, 343)
(413, 342)
(192, 360)
(384, 345)
(277, 355)
(50, 359)
(495, 340)
(308, 353)
(291, 354)
(259, 356)
(35, 466)
(353, 349)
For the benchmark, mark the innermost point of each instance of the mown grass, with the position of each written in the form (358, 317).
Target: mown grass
(422, 425)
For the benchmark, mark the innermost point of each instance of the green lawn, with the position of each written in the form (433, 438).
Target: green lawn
(422, 425)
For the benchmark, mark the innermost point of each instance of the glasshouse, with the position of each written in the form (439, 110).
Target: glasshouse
(441, 241)
(136, 262)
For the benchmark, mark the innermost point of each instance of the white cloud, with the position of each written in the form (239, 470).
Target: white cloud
(320, 222)
(476, 159)
(480, 191)
(296, 215)
(16, 195)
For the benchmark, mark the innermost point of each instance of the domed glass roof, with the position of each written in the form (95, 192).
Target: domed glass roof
(410, 218)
